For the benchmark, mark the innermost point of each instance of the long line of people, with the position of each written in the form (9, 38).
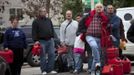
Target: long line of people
(93, 30)
(90, 31)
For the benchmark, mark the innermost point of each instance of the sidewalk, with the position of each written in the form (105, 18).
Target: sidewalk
(36, 71)
(26, 70)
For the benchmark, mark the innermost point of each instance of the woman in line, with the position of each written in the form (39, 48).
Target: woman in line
(14, 39)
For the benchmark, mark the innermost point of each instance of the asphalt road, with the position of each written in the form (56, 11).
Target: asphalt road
(27, 70)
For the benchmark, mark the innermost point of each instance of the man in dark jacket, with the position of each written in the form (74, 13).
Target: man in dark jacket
(43, 33)
(116, 28)
(130, 33)
(114, 25)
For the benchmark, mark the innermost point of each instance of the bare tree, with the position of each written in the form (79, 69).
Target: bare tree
(3, 3)
(53, 6)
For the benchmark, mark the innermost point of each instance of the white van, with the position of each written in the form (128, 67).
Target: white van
(127, 14)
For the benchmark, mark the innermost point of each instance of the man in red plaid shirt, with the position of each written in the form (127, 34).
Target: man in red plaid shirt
(94, 29)
(95, 24)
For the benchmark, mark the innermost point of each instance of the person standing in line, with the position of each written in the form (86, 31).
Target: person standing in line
(78, 17)
(94, 31)
(87, 56)
(15, 39)
(116, 28)
(78, 66)
(43, 33)
(114, 25)
(67, 37)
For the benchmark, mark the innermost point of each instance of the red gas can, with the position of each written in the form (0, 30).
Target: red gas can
(126, 65)
(36, 49)
(7, 55)
(108, 70)
(112, 52)
(117, 66)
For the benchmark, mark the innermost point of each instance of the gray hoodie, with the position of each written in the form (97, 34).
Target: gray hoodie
(68, 36)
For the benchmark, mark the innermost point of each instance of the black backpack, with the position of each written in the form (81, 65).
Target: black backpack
(60, 65)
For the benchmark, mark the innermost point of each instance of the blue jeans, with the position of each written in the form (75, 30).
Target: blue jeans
(78, 61)
(70, 57)
(96, 49)
(47, 56)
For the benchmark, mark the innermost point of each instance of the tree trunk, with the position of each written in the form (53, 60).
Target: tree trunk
(48, 6)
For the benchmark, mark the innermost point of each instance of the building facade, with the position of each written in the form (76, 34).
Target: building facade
(16, 7)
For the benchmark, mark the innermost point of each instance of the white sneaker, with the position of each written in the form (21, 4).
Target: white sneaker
(53, 72)
(75, 71)
(44, 73)
(97, 64)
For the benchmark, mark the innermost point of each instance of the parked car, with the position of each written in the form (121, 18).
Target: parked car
(126, 14)
(33, 60)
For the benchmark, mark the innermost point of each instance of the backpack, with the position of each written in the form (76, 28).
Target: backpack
(61, 63)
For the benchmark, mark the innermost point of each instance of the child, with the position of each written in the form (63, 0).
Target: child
(78, 51)
(14, 39)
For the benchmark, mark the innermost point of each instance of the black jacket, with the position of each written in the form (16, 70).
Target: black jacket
(122, 35)
(82, 27)
(130, 33)
(42, 29)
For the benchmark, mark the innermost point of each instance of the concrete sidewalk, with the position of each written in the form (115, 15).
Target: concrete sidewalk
(36, 71)
(27, 70)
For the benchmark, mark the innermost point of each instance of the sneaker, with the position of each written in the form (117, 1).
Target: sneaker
(97, 70)
(75, 71)
(97, 67)
(53, 72)
(71, 70)
(44, 73)
(92, 73)
(97, 64)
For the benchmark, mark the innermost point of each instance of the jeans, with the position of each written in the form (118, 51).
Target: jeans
(78, 61)
(47, 56)
(96, 50)
(70, 57)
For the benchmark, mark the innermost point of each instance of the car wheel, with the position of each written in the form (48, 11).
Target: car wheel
(33, 60)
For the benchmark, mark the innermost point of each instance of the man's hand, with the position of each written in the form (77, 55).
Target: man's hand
(122, 44)
(6, 49)
(62, 44)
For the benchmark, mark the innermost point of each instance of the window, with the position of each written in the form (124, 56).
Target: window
(16, 11)
(127, 16)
